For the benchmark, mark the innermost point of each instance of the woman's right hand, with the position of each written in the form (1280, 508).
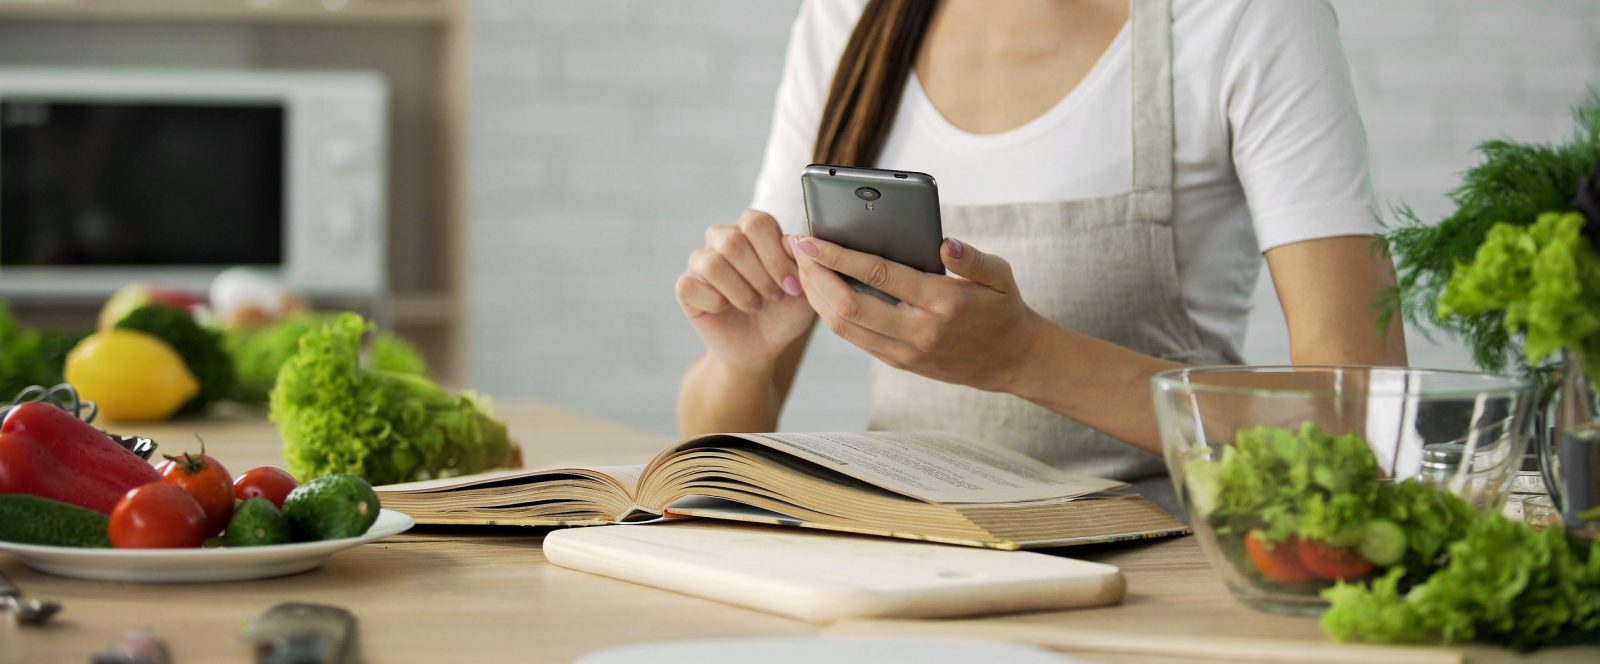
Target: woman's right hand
(742, 292)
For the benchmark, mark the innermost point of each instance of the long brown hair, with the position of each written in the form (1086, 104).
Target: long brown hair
(867, 84)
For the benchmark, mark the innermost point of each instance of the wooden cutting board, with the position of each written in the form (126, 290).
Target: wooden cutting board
(822, 577)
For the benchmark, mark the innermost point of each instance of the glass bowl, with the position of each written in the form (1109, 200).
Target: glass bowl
(1295, 478)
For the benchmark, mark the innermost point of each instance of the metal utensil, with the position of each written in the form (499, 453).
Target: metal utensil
(295, 633)
(26, 611)
(144, 447)
(61, 396)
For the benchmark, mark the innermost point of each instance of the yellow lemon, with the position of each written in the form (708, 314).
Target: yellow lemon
(130, 375)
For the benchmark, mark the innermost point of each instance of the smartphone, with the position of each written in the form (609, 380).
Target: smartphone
(887, 213)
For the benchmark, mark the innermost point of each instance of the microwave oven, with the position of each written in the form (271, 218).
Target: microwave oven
(111, 176)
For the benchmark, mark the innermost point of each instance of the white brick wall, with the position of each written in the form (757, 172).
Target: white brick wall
(606, 135)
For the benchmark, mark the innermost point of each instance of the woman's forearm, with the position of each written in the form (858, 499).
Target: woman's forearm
(717, 397)
(1095, 382)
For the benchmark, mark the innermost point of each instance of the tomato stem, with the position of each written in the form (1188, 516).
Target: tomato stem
(188, 461)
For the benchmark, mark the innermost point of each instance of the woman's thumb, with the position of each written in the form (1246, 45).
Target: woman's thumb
(966, 261)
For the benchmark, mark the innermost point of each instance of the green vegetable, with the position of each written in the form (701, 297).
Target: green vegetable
(1453, 575)
(331, 507)
(30, 357)
(1544, 282)
(200, 348)
(1315, 486)
(257, 522)
(338, 417)
(27, 519)
(1310, 484)
(1514, 184)
(259, 353)
(1383, 542)
(1505, 583)
(395, 355)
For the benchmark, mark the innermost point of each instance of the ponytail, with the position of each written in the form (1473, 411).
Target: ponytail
(869, 80)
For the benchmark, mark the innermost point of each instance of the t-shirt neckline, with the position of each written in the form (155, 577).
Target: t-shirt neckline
(937, 125)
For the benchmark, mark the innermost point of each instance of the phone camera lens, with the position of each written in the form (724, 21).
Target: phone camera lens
(867, 194)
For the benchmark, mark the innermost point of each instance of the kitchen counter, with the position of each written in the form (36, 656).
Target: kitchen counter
(487, 594)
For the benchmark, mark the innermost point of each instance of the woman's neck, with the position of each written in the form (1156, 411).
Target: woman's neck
(993, 66)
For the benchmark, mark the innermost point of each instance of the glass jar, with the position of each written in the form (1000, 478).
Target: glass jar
(1569, 456)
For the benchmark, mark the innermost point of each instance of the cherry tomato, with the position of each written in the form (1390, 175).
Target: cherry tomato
(1278, 563)
(264, 482)
(207, 481)
(1330, 562)
(158, 516)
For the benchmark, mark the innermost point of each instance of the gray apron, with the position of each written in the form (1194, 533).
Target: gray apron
(1104, 267)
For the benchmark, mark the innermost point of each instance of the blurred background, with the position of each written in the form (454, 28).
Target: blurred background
(539, 170)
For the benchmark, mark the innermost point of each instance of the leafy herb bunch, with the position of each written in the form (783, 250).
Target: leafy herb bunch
(1514, 185)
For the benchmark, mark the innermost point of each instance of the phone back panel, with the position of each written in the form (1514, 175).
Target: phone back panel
(902, 224)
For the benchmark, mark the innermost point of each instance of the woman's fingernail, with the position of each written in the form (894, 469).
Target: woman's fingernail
(954, 246)
(791, 285)
(805, 247)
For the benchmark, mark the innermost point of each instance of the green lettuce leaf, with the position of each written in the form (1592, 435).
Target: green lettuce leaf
(339, 417)
(1505, 583)
(259, 353)
(1544, 282)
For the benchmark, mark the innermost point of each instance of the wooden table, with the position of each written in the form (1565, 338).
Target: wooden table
(482, 595)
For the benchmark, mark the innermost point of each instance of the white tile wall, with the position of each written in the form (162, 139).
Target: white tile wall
(606, 135)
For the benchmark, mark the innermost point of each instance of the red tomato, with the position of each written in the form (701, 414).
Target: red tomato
(158, 516)
(206, 480)
(1278, 563)
(1330, 562)
(264, 482)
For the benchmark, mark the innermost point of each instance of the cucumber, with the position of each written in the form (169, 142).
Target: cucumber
(257, 522)
(331, 507)
(1383, 542)
(26, 519)
(1204, 488)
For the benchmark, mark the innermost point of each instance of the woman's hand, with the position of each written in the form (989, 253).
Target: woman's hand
(742, 294)
(972, 329)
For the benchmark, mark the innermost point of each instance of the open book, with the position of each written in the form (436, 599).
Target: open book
(925, 486)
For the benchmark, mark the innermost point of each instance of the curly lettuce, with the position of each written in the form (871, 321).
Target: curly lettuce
(1313, 485)
(259, 353)
(1462, 576)
(1544, 281)
(1505, 583)
(337, 416)
(1307, 484)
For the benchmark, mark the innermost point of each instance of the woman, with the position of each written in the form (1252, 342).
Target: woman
(1110, 171)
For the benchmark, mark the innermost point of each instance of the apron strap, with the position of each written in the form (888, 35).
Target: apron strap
(1152, 109)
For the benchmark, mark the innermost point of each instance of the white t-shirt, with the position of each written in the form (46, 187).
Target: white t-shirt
(1269, 145)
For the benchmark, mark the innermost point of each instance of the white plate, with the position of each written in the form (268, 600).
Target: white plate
(197, 565)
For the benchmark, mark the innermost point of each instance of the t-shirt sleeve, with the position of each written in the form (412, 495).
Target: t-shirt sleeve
(817, 39)
(1298, 145)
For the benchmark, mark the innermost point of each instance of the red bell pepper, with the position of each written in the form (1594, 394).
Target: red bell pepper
(48, 452)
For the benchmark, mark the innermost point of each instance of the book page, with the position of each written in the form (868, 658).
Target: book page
(935, 467)
(626, 476)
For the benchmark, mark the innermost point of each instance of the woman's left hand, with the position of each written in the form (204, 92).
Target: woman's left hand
(971, 329)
